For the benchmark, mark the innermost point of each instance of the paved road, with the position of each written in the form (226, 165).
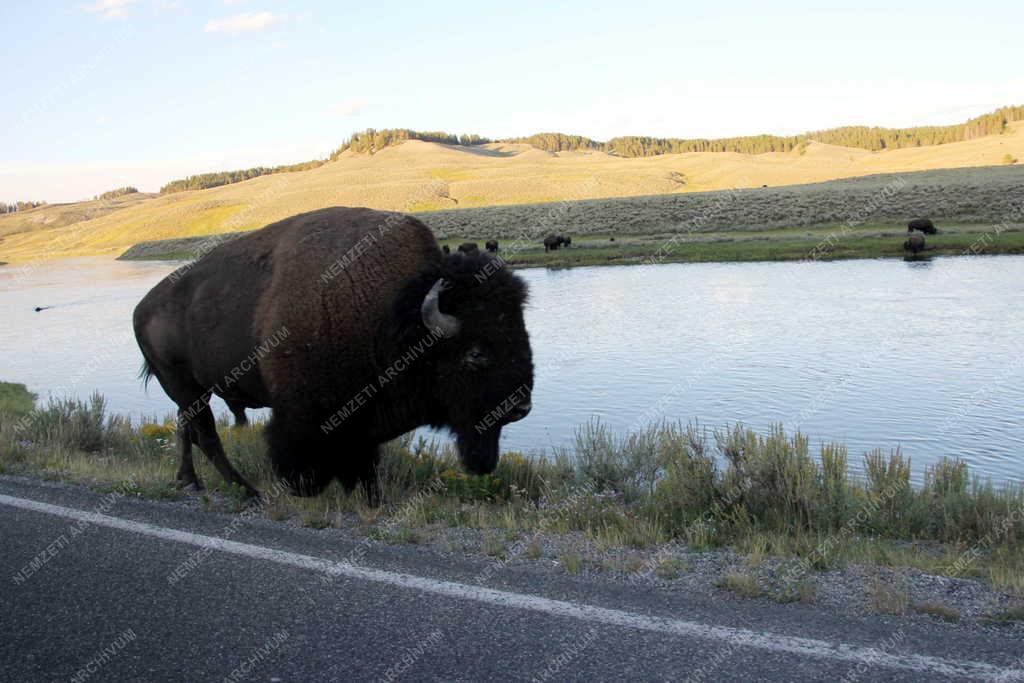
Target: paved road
(98, 587)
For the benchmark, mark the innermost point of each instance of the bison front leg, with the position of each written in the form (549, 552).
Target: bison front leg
(238, 410)
(359, 467)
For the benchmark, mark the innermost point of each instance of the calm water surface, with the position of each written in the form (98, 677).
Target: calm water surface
(925, 356)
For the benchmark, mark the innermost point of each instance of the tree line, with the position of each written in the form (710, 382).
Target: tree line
(203, 181)
(863, 137)
(117, 192)
(371, 140)
(15, 207)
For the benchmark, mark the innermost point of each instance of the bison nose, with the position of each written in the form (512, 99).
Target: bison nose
(519, 412)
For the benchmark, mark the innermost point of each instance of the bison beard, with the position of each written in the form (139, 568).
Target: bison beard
(479, 451)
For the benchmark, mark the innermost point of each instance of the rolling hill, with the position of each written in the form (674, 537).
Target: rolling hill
(418, 176)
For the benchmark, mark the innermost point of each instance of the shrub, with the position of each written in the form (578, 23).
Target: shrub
(16, 400)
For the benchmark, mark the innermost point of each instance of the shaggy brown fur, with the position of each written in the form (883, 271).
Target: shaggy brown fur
(924, 225)
(914, 243)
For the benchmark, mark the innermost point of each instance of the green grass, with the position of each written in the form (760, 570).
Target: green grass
(763, 495)
(15, 399)
(571, 562)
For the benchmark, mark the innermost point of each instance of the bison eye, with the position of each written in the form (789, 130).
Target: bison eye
(476, 357)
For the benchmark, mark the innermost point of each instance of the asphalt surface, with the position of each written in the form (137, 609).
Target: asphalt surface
(129, 597)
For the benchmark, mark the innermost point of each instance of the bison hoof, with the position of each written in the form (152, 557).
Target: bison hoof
(189, 485)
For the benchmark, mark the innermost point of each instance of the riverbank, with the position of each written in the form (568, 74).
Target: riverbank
(759, 515)
(825, 242)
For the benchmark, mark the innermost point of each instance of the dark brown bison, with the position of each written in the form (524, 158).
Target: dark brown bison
(492, 246)
(914, 243)
(552, 243)
(350, 340)
(924, 225)
(446, 249)
(468, 247)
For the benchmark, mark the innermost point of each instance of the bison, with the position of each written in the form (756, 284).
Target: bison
(348, 339)
(492, 246)
(446, 250)
(924, 225)
(914, 243)
(468, 248)
(552, 243)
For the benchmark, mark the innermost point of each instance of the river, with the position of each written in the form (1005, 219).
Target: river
(923, 355)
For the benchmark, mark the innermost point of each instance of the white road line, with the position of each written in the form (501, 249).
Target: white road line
(739, 637)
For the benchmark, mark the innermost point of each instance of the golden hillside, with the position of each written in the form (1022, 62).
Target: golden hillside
(423, 176)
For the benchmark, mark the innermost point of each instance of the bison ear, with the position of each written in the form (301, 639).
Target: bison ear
(439, 323)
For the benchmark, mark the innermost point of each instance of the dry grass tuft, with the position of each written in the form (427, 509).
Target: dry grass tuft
(744, 585)
(887, 599)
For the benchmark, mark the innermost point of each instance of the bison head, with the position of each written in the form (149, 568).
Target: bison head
(478, 374)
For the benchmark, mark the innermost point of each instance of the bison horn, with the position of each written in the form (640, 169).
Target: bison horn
(436, 321)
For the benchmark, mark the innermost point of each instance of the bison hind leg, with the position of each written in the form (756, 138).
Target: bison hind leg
(186, 477)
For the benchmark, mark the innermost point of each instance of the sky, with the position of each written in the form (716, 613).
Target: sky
(103, 93)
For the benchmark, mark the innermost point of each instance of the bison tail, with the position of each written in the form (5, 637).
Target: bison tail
(145, 372)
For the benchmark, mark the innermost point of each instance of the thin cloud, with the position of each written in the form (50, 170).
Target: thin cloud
(350, 107)
(109, 9)
(242, 23)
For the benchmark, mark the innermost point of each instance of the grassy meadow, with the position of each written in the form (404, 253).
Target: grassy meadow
(757, 494)
(826, 242)
(447, 182)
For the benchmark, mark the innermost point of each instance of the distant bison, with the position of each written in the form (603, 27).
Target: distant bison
(492, 246)
(468, 247)
(446, 249)
(924, 225)
(552, 243)
(348, 351)
(914, 243)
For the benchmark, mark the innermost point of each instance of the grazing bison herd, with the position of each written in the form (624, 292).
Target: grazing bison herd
(376, 332)
(554, 242)
(551, 243)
